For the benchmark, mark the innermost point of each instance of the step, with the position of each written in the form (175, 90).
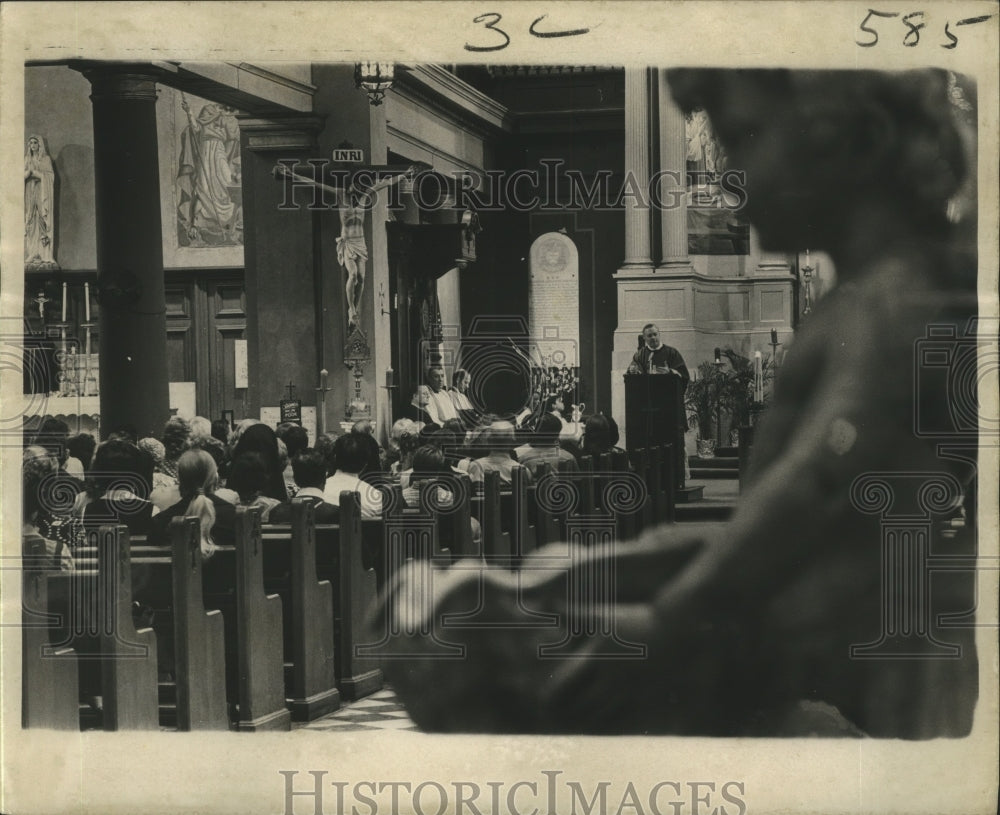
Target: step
(715, 463)
(688, 494)
(714, 472)
(722, 452)
(703, 511)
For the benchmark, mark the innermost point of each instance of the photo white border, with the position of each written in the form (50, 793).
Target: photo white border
(175, 773)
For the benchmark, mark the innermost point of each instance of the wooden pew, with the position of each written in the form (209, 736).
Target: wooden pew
(50, 684)
(641, 465)
(314, 690)
(498, 547)
(199, 637)
(585, 485)
(629, 524)
(356, 590)
(668, 483)
(455, 525)
(128, 657)
(261, 686)
(654, 483)
(549, 524)
(516, 517)
(311, 680)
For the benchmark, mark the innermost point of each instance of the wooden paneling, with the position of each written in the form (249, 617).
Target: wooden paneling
(206, 314)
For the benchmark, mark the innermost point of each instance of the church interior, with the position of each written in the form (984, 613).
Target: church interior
(368, 324)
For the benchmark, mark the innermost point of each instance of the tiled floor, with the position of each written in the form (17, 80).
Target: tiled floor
(380, 711)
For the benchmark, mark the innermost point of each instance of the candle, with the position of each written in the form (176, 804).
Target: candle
(807, 257)
(388, 377)
(774, 337)
(64, 303)
(322, 378)
(86, 301)
(718, 356)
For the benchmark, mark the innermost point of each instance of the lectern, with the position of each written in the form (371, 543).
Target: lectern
(655, 416)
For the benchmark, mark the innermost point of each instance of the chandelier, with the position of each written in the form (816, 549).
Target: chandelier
(374, 78)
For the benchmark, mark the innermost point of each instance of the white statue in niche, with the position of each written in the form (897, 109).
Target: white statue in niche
(39, 206)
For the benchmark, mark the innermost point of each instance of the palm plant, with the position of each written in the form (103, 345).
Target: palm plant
(740, 385)
(706, 398)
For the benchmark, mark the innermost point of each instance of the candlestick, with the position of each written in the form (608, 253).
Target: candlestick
(774, 337)
(86, 301)
(64, 303)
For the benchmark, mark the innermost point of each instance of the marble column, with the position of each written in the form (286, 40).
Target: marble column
(638, 257)
(673, 183)
(133, 330)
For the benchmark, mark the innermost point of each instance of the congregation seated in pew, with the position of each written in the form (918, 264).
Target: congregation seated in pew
(545, 448)
(248, 478)
(118, 488)
(499, 438)
(309, 470)
(351, 455)
(42, 552)
(198, 478)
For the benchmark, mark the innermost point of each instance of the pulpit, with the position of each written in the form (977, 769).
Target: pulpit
(655, 416)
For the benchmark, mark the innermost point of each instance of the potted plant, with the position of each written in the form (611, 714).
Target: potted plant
(740, 384)
(705, 399)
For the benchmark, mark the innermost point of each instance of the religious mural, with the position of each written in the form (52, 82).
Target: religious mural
(208, 184)
(201, 179)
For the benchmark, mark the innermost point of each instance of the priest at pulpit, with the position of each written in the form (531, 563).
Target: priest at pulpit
(656, 358)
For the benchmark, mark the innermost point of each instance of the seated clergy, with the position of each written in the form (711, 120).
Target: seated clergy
(421, 408)
(460, 382)
(350, 455)
(441, 407)
(309, 469)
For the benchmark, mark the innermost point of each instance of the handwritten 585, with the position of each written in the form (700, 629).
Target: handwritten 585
(913, 23)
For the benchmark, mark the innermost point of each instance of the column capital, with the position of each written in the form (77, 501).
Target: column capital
(278, 133)
(128, 82)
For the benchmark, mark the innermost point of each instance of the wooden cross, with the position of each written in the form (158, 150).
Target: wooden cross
(291, 390)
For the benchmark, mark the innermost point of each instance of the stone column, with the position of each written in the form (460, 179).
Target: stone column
(673, 183)
(133, 328)
(286, 286)
(637, 226)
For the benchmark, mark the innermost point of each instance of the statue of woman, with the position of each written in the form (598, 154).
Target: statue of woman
(39, 206)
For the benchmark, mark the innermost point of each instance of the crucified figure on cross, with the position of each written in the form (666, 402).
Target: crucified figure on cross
(352, 250)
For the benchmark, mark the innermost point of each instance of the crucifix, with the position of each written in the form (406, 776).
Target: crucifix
(291, 390)
(41, 299)
(352, 203)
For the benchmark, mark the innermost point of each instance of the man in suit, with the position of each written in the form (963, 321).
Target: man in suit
(309, 470)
